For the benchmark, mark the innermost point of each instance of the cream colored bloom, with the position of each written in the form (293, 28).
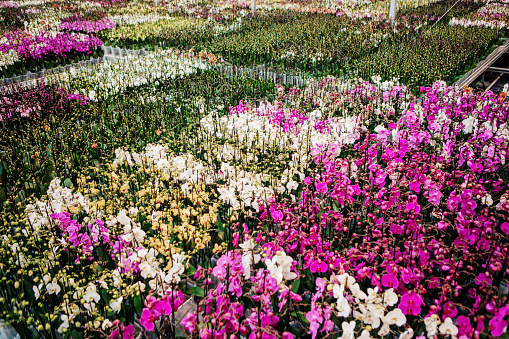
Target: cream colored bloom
(469, 124)
(53, 288)
(448, 328)
(37, 291)
(249, 256)
(65, 323)
(408, 334)
(123, 219)
(372, 296)
(346, 279)
(395, 317)
(343, 307)
(116, 305)
(487, 200)
(364, 335)
(279, 267)
(390, 298)
(106, 324)
(431, 326)
(357, 292)
(384, 330)
(338, 290)
(348, 330)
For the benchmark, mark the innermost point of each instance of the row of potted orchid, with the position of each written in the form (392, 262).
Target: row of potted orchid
(344, 209)
(82, 24)
(258, 41)
(493, 11)
(422, 58)
(355, 9)
(116, 76)
(69, 25)
(150, 33)
(109, 89)
(496, 24)
(283, 39)
(153, 197)
(22, 52)
(42, 37)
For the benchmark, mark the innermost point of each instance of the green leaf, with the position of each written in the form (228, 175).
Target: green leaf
(106, 296)
(220, 228)
(46, 179)
(197, 291)
(191, 270)
(100, 253)
(29, 288)
(219, 224)
(295, 286)
(76, 335)
(3, 196)
(48, 149)
(51, 169)
(138, 304)
(68, 183)
(96, 268)
(302, 317)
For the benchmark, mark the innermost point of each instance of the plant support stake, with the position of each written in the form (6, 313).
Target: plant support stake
(253, 7)
(392, 11)
(436, 22)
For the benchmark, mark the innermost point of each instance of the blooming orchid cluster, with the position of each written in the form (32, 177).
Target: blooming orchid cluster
(345, 208)
(8, 4)
(368, 307)
(38, 102)
(132, 19)
(79, 24)
(388, 291)
(117, 240)
(494, 24)
(8, 58)
(241, 188)
(115, 76)
(49, 44)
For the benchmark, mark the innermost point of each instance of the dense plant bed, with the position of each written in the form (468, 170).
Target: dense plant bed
(153, 33)
(154, 197)
(88, 23)
(22, 53)
(99, 131)
(37, 37)
(418, 58)
(285, 38)
(324, 43)
(343, 208)
(37, 65)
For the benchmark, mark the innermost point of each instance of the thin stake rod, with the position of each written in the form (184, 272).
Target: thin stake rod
(445, 14)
